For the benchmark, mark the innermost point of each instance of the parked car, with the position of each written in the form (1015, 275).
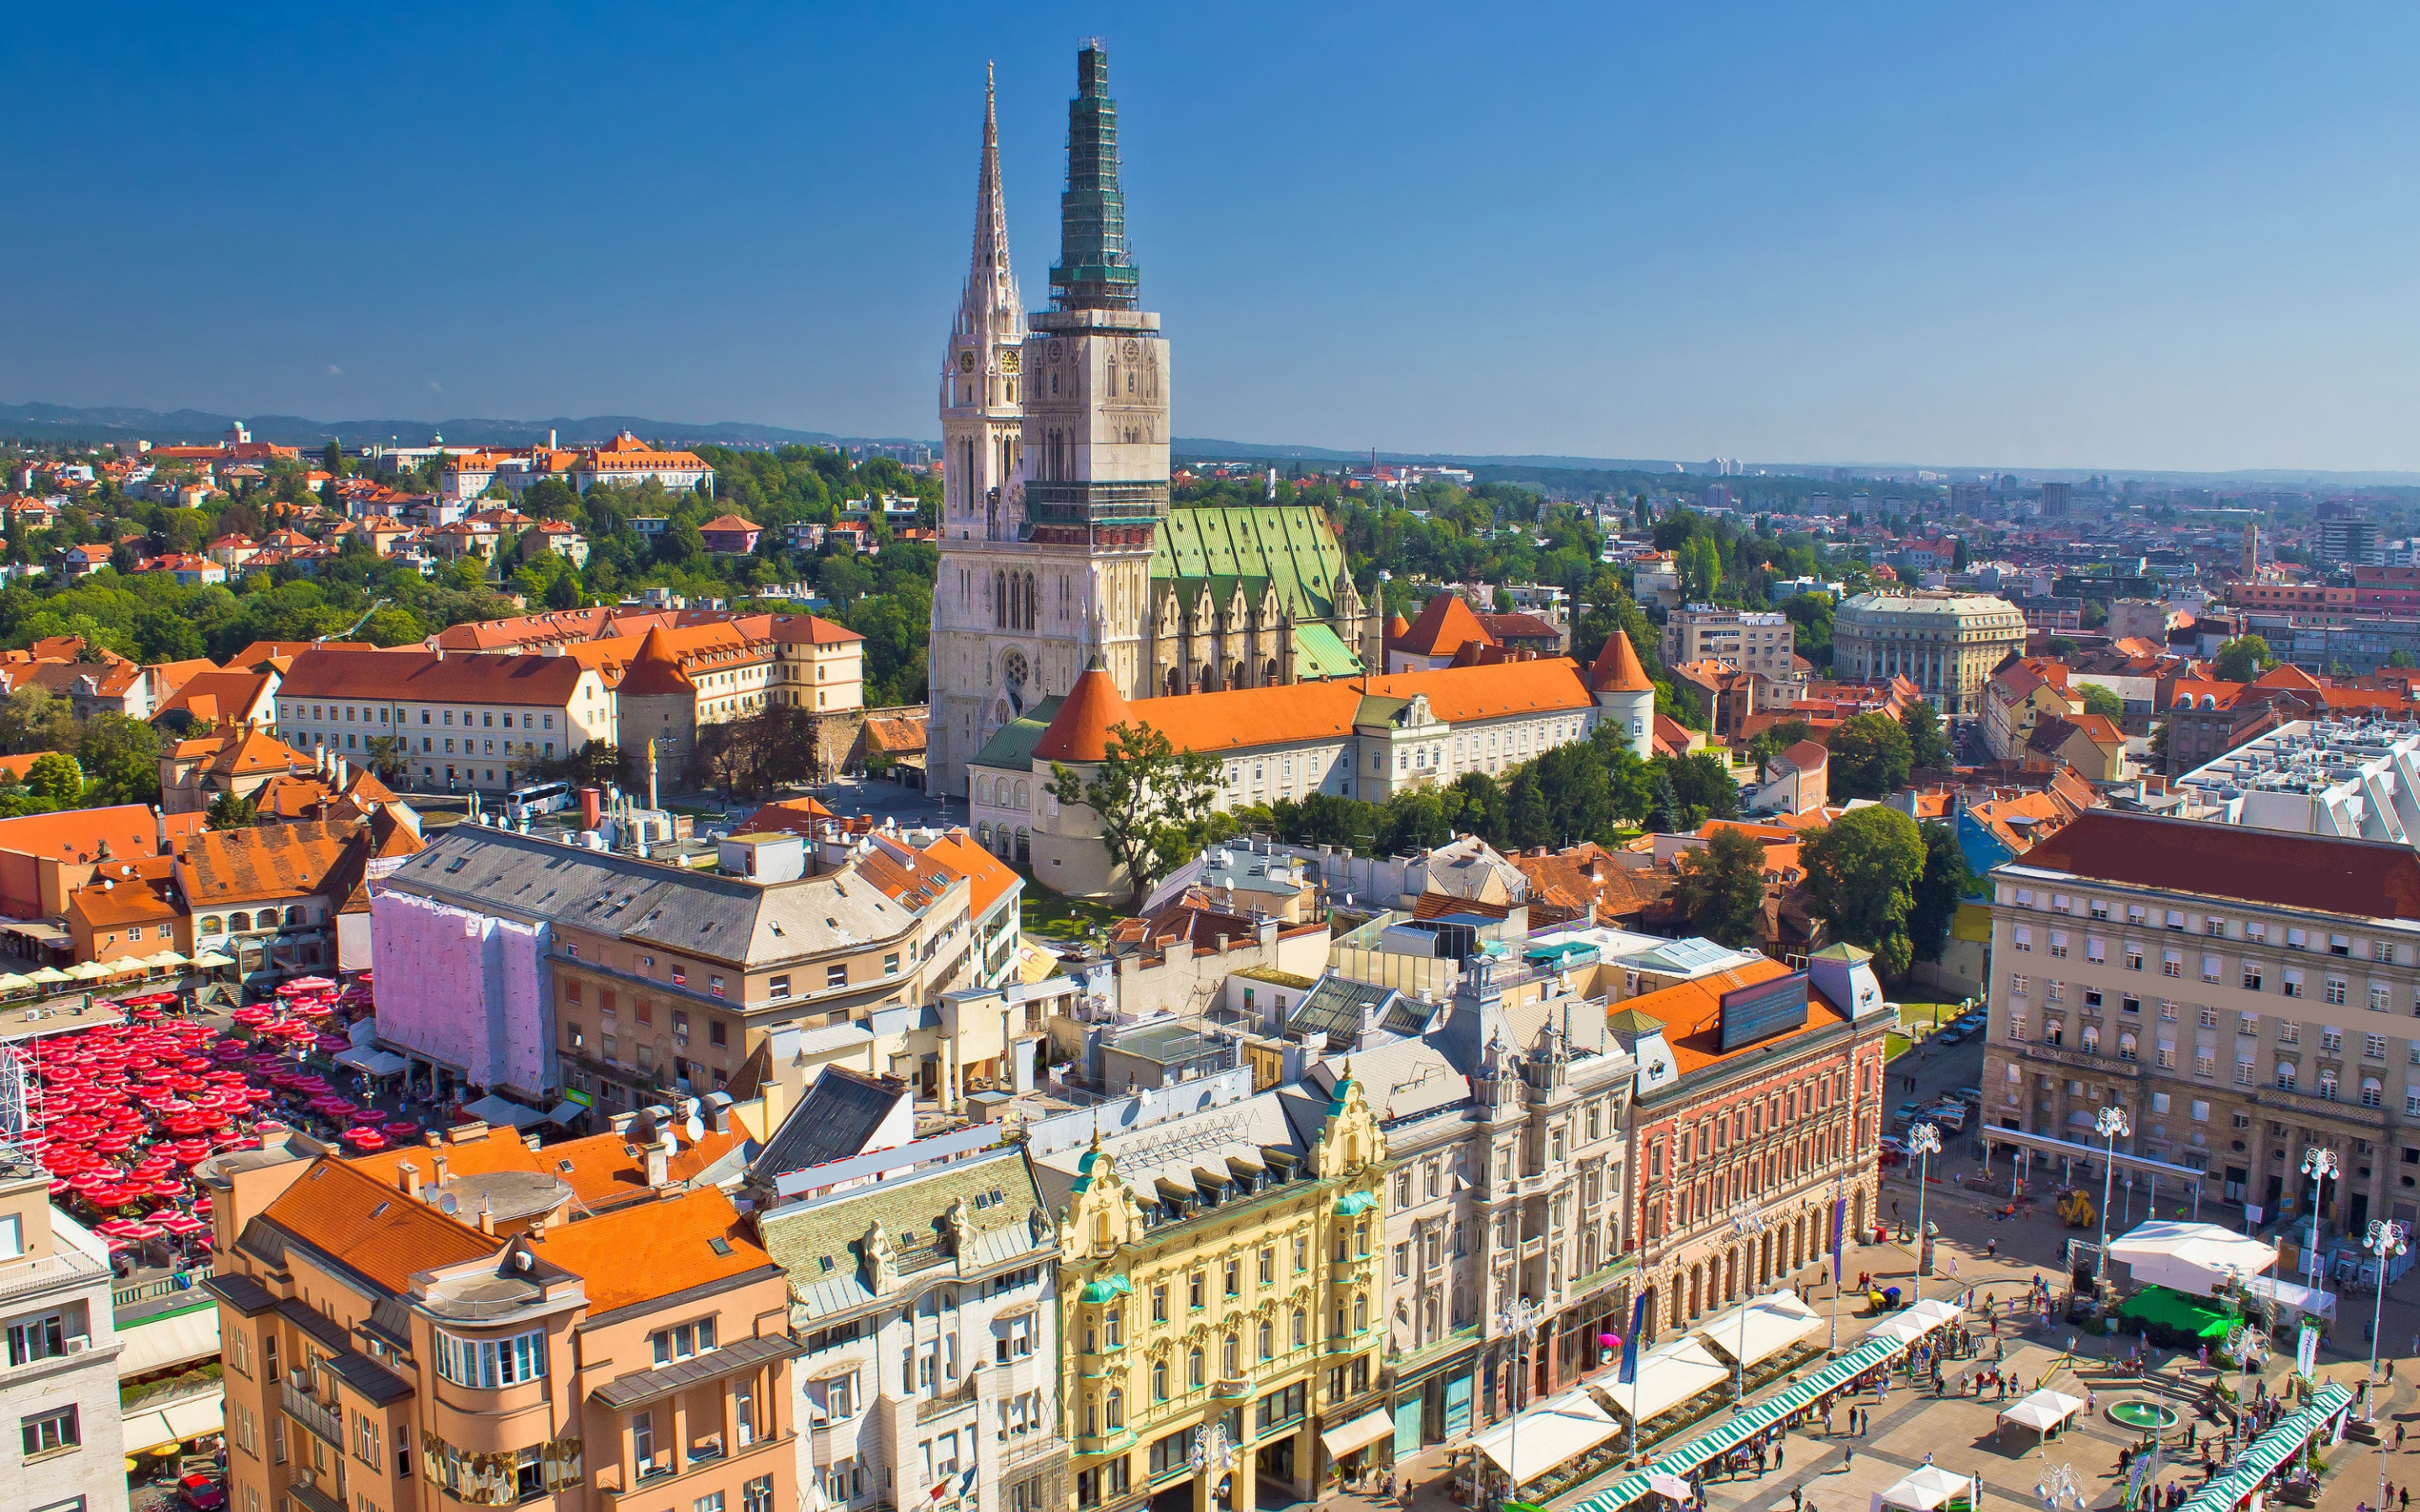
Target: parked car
(1950, 1117)
(1905, 1113)
(1952, 1034)
(1968, 1094)
(201, 1492)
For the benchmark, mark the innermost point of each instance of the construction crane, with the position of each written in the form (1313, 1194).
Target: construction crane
(347, 633)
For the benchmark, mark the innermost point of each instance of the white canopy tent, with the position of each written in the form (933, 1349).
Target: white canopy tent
(1667, 1378)
(2293, 1295)
(2044, 1411)
(1772, 1324)
(495, 1111)
(1902, 1327)
(1936, 1313)
(2194, 1258)
(1555, 1431)
(374, 1061)
(1360, 1433)
(1927, 1488)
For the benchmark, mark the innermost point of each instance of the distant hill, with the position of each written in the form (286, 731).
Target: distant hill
(62, 423)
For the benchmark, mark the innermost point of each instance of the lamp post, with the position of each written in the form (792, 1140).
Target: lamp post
(1518, 1318)
(2319, 1164)
(1748, 1222)
(1923, 1142)
(2386, 1241)
(2110, 1125)
(1213, 1455)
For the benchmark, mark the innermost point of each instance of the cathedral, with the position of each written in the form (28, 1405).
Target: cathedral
(1060, 550)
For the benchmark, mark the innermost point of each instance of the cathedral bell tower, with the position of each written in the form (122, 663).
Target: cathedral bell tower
(980, 422)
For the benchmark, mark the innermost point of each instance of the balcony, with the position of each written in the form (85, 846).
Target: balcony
(67, 1268)
(668, 1485)
(323, 1419)
(941, 1404)
(2083, 1060)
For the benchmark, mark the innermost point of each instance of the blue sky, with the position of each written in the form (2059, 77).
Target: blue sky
(2055, 236)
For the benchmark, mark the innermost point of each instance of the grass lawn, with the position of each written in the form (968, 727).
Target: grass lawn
(1895, 1045)
(1053, 917)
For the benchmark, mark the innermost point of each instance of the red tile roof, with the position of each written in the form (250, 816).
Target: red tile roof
(2364, 878)
(1618, 669)
(1444, 626)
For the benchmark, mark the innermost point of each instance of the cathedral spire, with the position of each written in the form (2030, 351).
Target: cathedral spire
(990, 306)
(1094, 271)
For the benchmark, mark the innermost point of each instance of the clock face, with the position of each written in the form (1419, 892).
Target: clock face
(966, 361)
(1055, 351)
(1008, 360)
(1134, 351)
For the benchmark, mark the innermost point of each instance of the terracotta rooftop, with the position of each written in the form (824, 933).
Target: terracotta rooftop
(2367, 879)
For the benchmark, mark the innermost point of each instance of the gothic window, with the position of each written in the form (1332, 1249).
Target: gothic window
(1032, 603)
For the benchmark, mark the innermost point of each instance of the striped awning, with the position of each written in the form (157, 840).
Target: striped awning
(1742, 1427)
(2271, 1449)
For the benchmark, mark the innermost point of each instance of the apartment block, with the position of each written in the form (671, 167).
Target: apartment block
(1743, 639)
(2243, 995)
(60, 1388)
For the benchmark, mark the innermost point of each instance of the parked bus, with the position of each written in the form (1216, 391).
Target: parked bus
(537, 798)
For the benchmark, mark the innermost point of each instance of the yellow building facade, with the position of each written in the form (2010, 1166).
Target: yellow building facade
(1220, 1299)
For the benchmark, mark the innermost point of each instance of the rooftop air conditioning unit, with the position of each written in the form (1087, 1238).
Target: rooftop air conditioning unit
(78, 1343)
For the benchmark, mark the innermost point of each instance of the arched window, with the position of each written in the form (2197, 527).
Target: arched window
(1032, 603)
(1301, 1323)
(1024, 846)
(1159, 1380)
(1270, 673)
(1175, 682)
(982, 790)
(296, 918)
(1268, 1341)
(1117, 1412)
(1024, 796)
(1193, 1368)
(1229, 1357)
(239, 923)
(1360, 1314)
(209, 926)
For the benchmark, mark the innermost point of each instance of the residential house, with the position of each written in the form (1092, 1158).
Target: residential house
(465, 722)
(2089, 744)
(730, 535)
(236, 763)
(473, 1322)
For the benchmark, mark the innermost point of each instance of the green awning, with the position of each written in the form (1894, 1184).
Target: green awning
(1106, 1288)
(2270, 1450)
(1742, 1425)
(1353, 1204)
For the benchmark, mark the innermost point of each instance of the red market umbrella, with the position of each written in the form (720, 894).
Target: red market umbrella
(365, 1138)
(140, 1231)
(403, 1129)
(181, 1223)
(167, 1187)
(108, 1197)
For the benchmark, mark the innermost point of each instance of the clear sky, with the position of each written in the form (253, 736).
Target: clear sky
(2134, 236)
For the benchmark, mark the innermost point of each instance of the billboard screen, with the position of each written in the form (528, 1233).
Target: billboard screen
(1763, 1010)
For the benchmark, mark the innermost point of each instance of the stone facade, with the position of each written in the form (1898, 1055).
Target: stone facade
(1945, 644)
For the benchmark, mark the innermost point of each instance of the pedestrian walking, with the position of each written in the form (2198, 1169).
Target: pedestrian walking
(1776, 1460)
(2398, 1438)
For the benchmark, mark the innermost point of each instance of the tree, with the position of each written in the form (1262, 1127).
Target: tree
(1938, 892)
(2243, 660)
(2099, 700)
(1871, 757)
(32, 719)
(1862, 873)
(56, 779)
(1146, 794)
(1721, 888)
(227, 811)
(1702, 787)
(1927, 747)
(384, 755)
(123, 756)
(2401, 660)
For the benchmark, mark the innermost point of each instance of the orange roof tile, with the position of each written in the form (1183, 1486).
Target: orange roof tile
(1618, 669)
(653, 1249)
(988, 877)
(1693, 1014)
(1444, 626)
(371, 1227)
(1080, 731)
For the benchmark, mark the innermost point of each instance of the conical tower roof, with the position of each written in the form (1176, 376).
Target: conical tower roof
(1094, 270)
(1618, 669)
(1081, 732)
(989, 306)
(656, 670)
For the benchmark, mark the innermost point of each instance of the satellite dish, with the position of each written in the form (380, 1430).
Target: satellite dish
(695, 1129)
(448, 1203)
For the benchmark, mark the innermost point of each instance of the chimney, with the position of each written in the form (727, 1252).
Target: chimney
(160, 830)
(407, 1175)
(486, 1216)
(659, 1159)
(439, 1163)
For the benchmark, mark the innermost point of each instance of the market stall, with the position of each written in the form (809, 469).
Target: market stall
(1552, 1433)
(1926, 1488)
(1765, 1327)
(2046, 1411)
(1667, 1378)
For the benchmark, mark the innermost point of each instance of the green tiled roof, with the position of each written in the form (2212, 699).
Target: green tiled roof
(1012, 744)
(1288, 548)
(1318, 651)
(820, 1242)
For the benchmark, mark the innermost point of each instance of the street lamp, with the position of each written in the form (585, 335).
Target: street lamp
(1924, 1142)
(2110, 1125)
(1213, 1455)
(1747, 1221)
(1518, 1318)
(2319, 1164)
(2385, 1241)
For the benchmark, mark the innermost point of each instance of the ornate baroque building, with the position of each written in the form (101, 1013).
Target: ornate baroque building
(1059, 547)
